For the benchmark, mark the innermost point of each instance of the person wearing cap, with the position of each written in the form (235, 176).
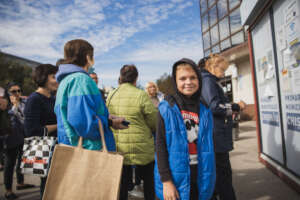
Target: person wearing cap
(185, 164)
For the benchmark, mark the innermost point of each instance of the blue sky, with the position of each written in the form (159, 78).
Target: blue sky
(152, 34)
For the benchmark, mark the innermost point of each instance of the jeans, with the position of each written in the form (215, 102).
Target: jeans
(11, 155)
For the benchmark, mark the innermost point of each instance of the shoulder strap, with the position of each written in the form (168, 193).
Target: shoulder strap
(108, 100)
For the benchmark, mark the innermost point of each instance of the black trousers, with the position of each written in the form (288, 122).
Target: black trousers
(146, 174)
(11, 156)
(1, 152)
(42, 186)
(224, 188)
(137, 178)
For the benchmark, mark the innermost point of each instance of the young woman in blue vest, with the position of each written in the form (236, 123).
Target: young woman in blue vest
(185, 164)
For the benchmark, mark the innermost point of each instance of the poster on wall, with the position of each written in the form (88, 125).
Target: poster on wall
(267, 90)
(287, 27)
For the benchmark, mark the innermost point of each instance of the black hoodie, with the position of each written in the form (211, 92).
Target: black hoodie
(189, 107)
(182, 100)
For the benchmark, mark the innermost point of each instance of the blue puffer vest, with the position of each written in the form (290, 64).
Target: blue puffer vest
(177, 146)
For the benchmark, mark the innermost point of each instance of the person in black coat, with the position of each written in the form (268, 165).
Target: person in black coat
(14, 139)
(40, 118)
(212, 69)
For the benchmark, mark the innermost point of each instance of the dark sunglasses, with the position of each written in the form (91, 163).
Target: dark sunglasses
(15, 91)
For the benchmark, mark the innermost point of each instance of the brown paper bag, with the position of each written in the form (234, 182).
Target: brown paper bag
(80, 174)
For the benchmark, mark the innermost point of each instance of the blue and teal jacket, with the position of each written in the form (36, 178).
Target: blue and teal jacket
(178, 153)
(78, 106)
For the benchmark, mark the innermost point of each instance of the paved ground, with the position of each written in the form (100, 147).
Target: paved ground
(252, 181)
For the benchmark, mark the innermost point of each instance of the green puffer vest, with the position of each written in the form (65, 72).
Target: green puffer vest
(136, 142)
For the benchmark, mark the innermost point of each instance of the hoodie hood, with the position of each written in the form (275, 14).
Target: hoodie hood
(181, 99)
(66, 69)
(195, 68)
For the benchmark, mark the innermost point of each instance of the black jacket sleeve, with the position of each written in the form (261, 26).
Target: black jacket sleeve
(161, 150)
(210, 94)
(32, 122)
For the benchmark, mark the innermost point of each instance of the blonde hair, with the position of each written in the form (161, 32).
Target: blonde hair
(213, 61)
(150, 84)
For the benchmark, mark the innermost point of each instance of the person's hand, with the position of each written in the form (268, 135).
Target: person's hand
(14, 100)
(169, 191)
(3, 103)
(117, 122)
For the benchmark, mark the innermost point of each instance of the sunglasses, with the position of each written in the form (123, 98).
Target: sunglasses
(15, 91)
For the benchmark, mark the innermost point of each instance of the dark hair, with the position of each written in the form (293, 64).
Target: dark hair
(201, 63)
(41, 72)
(75, 52)
(9, 85)
(128, 74)
(59, 61)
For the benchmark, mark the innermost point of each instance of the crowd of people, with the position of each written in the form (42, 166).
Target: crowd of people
(176, 145)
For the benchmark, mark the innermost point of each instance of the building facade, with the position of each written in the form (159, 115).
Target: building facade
(223, 32)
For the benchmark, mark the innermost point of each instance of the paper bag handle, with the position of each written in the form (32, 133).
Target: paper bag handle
(101, 135)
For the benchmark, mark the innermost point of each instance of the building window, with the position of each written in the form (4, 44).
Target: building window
(237, 38)
(235, 21)
(224, 28)
(222, 8)
(203, 5)
(206, 40)
(233, 3)
(221, 24)
(225, 44)
(211, 2)
(215, 49)
(214, 33)
(213, 18)
(206, 53)
(204, 22)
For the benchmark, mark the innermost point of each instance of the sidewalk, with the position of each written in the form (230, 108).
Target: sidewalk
(252, 181)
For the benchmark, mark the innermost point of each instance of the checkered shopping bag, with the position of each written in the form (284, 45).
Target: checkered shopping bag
(37, 151)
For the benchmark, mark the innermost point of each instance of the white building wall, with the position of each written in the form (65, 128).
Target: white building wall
(244, 83)
(242, 86)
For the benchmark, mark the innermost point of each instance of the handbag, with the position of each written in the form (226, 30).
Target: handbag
(77, 173)
(37, 151)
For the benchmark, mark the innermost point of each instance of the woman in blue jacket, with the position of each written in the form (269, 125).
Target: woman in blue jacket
(185, 165)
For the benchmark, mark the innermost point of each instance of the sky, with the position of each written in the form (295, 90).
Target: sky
(152, 34)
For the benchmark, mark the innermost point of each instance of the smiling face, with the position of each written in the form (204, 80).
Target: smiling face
(186, 80)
